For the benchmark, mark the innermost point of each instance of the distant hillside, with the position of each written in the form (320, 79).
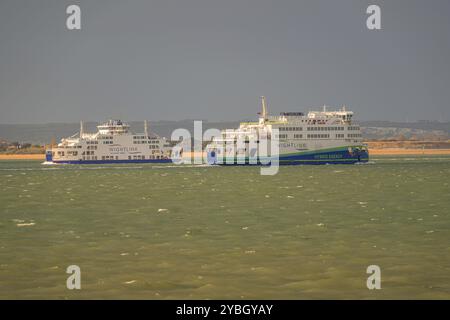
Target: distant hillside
(419, 125)
(421, 130)
(44, 133)
(390, 144)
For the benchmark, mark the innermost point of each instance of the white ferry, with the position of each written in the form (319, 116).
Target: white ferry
(320, 137)
(113, 143)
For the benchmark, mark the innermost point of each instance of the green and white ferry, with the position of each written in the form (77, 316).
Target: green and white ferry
(318, 137)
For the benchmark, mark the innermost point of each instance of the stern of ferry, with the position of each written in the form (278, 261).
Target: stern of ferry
(48, 156)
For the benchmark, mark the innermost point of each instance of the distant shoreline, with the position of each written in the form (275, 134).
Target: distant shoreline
(405, 151)
(381, 152)
(22, 156)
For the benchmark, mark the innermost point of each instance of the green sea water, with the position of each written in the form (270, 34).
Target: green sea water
(195, 232)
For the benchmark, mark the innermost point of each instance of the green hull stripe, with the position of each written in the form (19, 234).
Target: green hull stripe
(319, 151)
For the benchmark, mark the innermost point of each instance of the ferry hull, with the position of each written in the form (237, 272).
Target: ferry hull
(334, 156)
(111, 161)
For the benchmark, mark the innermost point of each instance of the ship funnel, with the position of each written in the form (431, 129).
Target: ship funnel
(264, 108)
(145, 128)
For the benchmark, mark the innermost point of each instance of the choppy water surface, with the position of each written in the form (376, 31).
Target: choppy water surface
(163, 232)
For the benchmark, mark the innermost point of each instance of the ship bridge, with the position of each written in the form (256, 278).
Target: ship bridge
(342, 114)
(113, 127)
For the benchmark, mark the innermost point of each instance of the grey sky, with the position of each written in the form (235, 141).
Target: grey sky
(211, 59)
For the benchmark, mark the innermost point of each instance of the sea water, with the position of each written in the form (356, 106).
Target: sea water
(198, 232)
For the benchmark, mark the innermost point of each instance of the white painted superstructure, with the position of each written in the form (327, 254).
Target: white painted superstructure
(317, 137)
(112, 143)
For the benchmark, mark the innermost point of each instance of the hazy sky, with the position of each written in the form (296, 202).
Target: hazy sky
(212, 59)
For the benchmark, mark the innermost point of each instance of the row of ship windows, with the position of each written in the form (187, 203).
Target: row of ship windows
(90, 156)
(71, 147)
(134, 142)
(325, 129)
(316, 128)
(135, 157)
(69, 153)
(290, 128)
(145, 142)
(152, 139)
(75, 153)
(319, 136)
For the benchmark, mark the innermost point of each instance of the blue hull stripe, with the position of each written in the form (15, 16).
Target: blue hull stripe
(113, 161)
(332, 157)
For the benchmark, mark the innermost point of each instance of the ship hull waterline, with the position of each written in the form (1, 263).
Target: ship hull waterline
(343, 156)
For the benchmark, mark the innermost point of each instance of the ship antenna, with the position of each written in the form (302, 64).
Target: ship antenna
(146, 128)
(264, 108)
(81, 129)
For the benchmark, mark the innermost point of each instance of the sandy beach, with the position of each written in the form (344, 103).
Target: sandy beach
(404, 151)
(22, 156)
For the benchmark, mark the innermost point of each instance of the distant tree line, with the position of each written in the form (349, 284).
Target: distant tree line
(20, 147)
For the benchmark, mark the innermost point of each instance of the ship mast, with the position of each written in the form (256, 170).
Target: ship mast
(145, 128)
(264, 109)
(81, 129)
